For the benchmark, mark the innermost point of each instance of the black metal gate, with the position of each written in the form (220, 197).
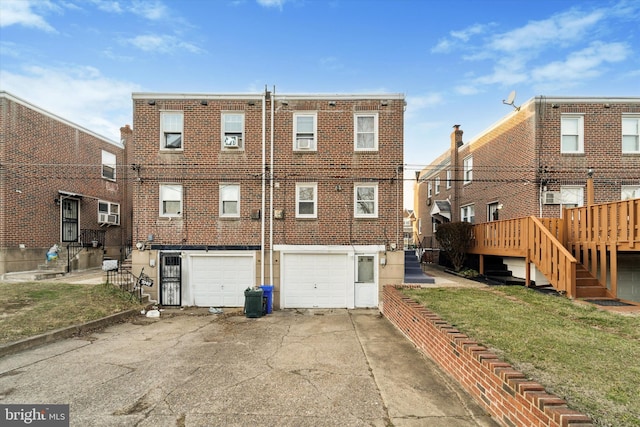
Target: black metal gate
(170, 279)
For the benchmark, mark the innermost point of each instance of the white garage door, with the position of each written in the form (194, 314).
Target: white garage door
(220, 281)
(315, 280)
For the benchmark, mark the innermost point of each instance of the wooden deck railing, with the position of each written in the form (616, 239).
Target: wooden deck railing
(608, 223)
(537, 240)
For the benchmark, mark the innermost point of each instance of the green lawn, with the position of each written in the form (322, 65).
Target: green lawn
(586, 356)
(33, 308)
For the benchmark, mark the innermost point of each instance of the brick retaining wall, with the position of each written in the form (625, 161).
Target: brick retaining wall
(507, 394)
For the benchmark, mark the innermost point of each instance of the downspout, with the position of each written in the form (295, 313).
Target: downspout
(264, 148)
(271, 193)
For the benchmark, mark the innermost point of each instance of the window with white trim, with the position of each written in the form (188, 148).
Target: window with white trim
(630, 192)
(448, 185)
(108, 165)
(429, 189)
(437, 185)
(631, 134)
(572, 134)
(468, 213)
(171, 124)
(170, 200)
(232, 131)
(108, 213)
(571, 196)
(305, 131)
(229, 200)
(307, 200)
(467, 165)
(365, 200)
(366, 131)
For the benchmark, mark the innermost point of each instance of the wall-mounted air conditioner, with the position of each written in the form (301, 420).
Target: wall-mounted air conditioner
(104, 218)
(304, 143)
(551, 198)
(231, 142)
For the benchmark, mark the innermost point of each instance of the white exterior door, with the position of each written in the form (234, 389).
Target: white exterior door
(220, 280)
(366, 287)
(316, 280)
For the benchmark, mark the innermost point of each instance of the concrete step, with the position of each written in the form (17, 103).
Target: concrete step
(32, 276)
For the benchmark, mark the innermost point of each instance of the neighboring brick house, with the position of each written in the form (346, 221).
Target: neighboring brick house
(535, 161)
(301, 192)
(59, 184)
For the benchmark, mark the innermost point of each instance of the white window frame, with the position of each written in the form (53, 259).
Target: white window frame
(357, 201)
(171, 122)
(109, 162)
(571, 196)
(572, 125)
(628, 192)
(226, 131)
(372, 270)
(307, 185)
(467, 164)
(468, 213)
(356, 131)
(229, 192)
(631, 132)
(437, 185)
(429, 189)
(298, 136)
(111, 209)
(448, 184)
(171, 193)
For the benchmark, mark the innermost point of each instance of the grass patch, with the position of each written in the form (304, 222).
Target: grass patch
(28, 309)
(588, 357)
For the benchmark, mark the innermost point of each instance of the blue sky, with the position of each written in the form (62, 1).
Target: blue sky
(455, 61)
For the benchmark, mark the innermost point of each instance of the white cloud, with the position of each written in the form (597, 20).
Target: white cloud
(108, 6)
(272, 3)
(581, 65)
(162, 44)
(557, 30)
(152, 10)
(21, 12)
(100, 104)
(417, 103)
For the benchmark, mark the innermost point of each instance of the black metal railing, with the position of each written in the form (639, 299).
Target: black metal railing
(129, 282)
(93, 238)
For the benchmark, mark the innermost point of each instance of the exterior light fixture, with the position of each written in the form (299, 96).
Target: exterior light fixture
(204, 102)
(590, 173)
(151, 102)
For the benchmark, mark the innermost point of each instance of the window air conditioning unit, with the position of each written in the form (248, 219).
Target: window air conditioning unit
(231, 142)
(104, 218)
(304, 143)
(551, 198)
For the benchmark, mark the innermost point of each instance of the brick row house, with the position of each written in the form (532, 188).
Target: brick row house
(536, 161)
(300, 192)
(59, 184)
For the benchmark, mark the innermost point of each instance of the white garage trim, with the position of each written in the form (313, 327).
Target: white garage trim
(320, 276)
(218, 279)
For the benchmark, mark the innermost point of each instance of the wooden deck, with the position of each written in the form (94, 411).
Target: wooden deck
(576, 252)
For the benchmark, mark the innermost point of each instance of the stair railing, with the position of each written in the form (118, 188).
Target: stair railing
(551, 257)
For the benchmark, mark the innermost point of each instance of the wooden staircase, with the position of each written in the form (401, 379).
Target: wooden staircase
(588, 286)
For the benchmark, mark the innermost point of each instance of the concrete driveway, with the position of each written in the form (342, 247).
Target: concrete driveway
(290, 368)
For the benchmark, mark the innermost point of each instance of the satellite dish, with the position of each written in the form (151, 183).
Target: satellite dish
(510, 99)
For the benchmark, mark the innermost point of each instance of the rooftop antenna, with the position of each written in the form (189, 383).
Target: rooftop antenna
(510, 99)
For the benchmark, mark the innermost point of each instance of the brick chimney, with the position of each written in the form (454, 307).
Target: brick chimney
(456, 137)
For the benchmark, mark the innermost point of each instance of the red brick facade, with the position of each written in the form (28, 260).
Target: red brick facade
(520, 158)
(45, 159)
(506, 393)
(202, 165)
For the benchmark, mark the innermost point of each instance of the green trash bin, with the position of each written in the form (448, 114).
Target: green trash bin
(253, 302)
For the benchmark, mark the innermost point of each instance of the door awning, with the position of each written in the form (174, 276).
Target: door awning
(70, 194)
(441, 209)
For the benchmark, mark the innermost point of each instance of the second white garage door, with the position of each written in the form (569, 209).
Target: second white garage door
(220, 281)
(316, 280)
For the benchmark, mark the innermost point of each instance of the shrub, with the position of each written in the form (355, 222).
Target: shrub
(454, 239)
